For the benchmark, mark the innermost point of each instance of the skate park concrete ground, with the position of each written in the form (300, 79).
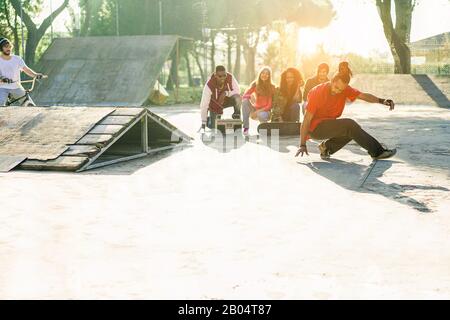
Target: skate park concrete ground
(247, 221)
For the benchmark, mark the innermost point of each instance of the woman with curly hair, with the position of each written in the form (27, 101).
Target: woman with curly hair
(288, 97)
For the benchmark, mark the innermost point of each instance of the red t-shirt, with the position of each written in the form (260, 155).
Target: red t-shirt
(262, 102)
(325, 106)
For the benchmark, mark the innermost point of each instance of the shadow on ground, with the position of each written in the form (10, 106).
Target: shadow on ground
(132, 166)
(432, 90)
(423, 142)
(344, 173)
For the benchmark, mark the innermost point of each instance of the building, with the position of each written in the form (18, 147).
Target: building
(434, 49)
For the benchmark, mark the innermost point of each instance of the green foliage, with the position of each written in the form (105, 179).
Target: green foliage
(33, 7)
(246, 22)
(97, 18)
(260, 13)
(5, 30)
(185, 96)
(140, 17)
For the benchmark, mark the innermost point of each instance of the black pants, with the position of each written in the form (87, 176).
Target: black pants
(340, 132)
(234, 101)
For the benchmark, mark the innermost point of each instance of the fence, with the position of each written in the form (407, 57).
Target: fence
(441, 69)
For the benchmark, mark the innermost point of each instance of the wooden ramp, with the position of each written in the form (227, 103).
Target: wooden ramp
(88, 71)
(80, 138)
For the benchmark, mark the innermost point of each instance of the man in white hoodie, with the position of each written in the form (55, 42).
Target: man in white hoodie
(221, 91)
(10, 68)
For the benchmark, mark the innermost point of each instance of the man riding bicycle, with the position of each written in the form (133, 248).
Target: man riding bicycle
(10, 68)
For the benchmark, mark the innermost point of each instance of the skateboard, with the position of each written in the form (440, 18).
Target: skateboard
(280, 128)
(226, 126)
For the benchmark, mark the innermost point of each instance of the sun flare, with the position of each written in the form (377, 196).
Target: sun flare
(309, 40)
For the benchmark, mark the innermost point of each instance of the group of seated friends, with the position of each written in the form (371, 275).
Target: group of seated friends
(263, 100)
(323, 102)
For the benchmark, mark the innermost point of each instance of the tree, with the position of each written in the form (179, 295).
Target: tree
(141, 17)
(9, 24)
(256, 16)
(34, 33)
(398, 37)
(97, 18)
(281, 51)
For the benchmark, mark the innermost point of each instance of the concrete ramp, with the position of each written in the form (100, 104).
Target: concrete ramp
(406, 89)
(81, 138)
(102, 71)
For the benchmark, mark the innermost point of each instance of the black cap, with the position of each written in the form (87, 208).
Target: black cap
(3, 41)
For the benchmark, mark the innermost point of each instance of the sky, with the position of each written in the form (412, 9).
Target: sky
(357, 27)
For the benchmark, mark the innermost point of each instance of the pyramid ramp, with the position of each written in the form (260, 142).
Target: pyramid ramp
(102, 71)
(81, 138)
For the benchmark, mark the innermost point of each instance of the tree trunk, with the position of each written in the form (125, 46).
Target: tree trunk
(237, 62)
(189, 71)
(13, 28)
(86, 26)
(16, 36)
(30, 47)
(250, 59)
(172, 79)
(250, 73)
(404, 10)
(35, 34)
(213, 52)
(402, 56)
(403, 21)
(229, 48)
(199, 65)
(398, 37)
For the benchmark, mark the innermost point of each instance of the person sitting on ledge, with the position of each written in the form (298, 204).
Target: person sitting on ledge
(326, 103)
(257, 100)
(286, 107)
(221, 91)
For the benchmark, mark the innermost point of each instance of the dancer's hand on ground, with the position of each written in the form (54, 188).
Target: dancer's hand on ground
(302, 150)
(390, 103)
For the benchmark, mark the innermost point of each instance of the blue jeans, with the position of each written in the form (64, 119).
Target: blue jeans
(15, 94)
(292, 113)
(247, 109)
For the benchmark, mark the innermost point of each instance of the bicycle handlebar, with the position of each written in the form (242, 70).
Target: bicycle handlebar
(6, 80)
(33, 82)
